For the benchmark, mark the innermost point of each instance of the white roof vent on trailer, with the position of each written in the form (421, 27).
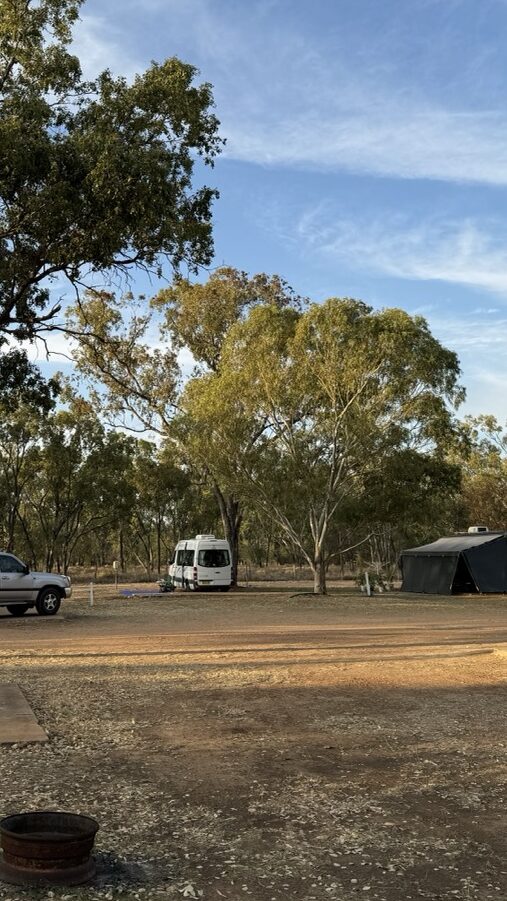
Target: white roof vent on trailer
(200, 537)
(473, 530)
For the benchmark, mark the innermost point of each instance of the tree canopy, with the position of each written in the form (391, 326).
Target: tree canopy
(95, 176)
(306, 406)
(198, 315)
(138, 384)
(298, 412)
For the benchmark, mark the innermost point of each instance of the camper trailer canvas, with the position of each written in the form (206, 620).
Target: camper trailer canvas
(470, 563)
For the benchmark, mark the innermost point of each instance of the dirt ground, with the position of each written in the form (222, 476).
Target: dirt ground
(270, 747)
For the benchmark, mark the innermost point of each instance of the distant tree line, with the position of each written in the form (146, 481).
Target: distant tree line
(306, 433)
(75, 491)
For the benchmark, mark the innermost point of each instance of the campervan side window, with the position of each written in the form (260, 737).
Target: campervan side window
(214, 557)
(185, 558)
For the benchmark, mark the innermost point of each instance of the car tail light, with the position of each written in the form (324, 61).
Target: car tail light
(195, 573)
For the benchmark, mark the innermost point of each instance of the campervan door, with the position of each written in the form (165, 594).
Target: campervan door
(182, 564)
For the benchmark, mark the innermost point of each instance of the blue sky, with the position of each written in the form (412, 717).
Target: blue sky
(366, 149)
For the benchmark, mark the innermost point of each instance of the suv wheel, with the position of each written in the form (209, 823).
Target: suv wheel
(48, 602)
(17, 609)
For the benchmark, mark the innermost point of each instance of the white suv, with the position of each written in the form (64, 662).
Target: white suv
(21, 589)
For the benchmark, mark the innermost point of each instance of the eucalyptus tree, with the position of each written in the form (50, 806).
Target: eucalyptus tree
(83, 482)
(26, 400)
(198, 317)
(483, 460)
(161, 488)
(96, 176)
(305, 407)
(142, 387)
(21, 429)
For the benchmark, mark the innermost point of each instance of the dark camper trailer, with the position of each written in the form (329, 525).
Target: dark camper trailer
(462, 564)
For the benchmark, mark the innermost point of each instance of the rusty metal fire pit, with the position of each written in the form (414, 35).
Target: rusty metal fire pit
(47, 847)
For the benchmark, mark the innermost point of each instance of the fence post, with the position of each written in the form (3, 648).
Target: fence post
(367, 581)
(90, 602)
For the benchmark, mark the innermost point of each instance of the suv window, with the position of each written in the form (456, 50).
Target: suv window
(185, 558)
(214, 557)
(9, 564)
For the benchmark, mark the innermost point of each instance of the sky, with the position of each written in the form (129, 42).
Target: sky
(366, 150)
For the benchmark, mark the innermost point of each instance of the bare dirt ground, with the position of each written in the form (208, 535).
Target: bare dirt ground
(265, 746)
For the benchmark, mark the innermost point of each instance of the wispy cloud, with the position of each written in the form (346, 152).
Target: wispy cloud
(286, 100)
(472, 334)
(380, 138)
(458, 252)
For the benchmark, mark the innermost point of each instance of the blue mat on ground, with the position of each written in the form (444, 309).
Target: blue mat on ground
(139, 592)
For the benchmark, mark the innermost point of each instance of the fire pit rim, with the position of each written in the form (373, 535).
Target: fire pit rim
(58, 839)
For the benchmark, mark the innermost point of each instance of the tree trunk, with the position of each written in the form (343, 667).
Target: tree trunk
(268, 549)
(319, 575)
(66, 559)
(29, 542)
(50, 558)
(11, 522)
(122, 551)
(159, 543)
(231, 520)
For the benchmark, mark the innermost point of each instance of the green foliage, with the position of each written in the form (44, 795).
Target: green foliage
(129, 381)
(304, 407)
(72, 489)
(22, 384)
(163, 496)
(483, 461)
(416, 494)
(323, 419)
(94, 176)
(80, 485)
(139, 385)
(199, 316)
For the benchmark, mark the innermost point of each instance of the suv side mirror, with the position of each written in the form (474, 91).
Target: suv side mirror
(26, 570)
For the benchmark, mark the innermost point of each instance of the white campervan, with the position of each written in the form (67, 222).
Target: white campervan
(203, 562)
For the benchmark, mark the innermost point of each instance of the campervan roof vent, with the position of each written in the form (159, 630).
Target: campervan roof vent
(199, 537)
(473, 530)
